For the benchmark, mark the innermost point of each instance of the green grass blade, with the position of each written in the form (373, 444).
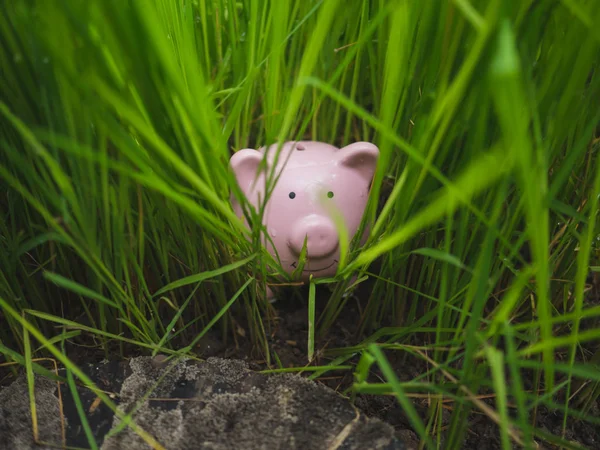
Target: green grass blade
(30, 385)
(496, 361)
(311, 320)
(204, 276)
(63, 282)
(218, 316)
(409, 409)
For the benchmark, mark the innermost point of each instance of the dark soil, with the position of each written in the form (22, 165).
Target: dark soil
(216, 403)
(288, 341)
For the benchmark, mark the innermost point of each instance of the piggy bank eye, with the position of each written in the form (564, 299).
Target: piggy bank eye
(330, 194)
(292, 194)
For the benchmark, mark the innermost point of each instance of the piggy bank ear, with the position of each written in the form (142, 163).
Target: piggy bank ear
(244, 164)
(360, 156)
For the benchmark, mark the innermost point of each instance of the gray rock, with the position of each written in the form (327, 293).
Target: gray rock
(217, 404)
(16, 428)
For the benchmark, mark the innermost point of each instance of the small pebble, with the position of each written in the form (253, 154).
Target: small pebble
(159, 361)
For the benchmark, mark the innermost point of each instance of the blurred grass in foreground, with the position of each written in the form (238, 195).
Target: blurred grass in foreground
(117, 120)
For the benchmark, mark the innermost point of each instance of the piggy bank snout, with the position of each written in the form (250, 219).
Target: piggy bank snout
(320, 234)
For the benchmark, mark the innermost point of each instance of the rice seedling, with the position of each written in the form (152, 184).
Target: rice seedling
(117, 122)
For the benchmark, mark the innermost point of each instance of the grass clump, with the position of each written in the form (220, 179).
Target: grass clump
(117, 121)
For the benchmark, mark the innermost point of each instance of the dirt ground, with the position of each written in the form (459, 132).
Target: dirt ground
(288, 339)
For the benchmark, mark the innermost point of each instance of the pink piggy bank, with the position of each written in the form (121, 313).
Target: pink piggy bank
(313, 180)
